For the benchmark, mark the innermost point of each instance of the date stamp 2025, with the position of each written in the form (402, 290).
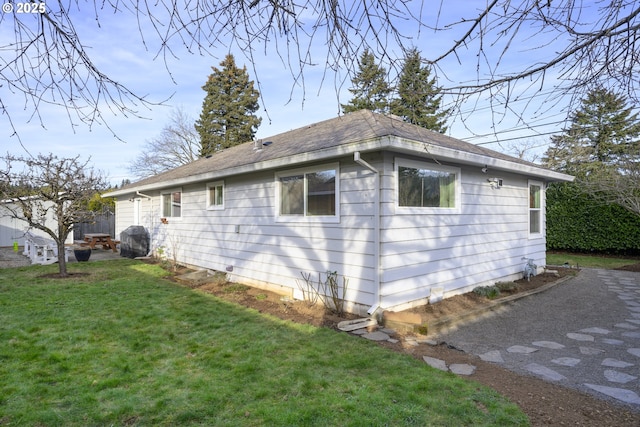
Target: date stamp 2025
(32, 8)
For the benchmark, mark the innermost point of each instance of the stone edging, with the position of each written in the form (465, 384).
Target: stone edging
(488, 309)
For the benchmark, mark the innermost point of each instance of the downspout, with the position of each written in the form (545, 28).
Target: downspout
(148, 198)
(376, 232)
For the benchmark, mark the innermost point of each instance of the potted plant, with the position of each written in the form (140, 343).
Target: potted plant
(82, 253)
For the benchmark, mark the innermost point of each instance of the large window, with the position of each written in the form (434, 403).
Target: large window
(535, 208)
(172, 204)
(427, 186)
(215, 195)
(311, 193)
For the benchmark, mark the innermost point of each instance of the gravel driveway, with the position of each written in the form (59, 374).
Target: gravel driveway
(584, 334)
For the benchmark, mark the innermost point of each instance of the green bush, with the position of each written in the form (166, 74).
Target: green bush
(577, 222)
(490, 292)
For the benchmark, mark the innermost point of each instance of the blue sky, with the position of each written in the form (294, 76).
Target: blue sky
(116, 48)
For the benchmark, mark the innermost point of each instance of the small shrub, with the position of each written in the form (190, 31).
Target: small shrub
(490, 292)
(506, 286)
(236, 288)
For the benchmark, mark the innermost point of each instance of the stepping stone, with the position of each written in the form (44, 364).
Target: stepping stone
(634, 351)
(618, 377)
(615, 363)
(621, 394)
(393, 341)
(462, 368)
(596, 331)
(352, 325)
(492, 356)
(590, 351)
(580, 337)
(612, 341)
(359, 332)
(376, 336)
(521, 349)
(631, 334)
(548, 344)
(544, 372)
(625, 326)
(435, 363)
(566, 361)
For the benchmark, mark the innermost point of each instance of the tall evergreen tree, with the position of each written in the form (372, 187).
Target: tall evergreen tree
(419, 100)
(227, 117)
(603, 131)
(370, 88)
(601, 148)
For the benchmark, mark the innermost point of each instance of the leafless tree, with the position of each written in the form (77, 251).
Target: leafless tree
(590, 43)
(47, 186)
(177, 144)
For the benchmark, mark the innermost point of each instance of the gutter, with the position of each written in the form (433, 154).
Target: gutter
(377, 231)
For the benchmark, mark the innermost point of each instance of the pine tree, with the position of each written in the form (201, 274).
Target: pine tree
(418, 99)
(602, 149)
(227, 117)
(370, 88)
(602, 133)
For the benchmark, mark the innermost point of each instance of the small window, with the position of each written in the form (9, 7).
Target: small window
(172, 204)
(215, 195)
(427, 186)
(308, 194)
(535, 208)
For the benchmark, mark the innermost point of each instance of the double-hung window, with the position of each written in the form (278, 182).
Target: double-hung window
(422, 186)
(172, 204)
(215, 195)
(307, 194)
(535, 208)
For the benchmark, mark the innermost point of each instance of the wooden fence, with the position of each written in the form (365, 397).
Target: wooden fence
(104, 222)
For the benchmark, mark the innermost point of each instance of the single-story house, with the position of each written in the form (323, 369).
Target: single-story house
(404, 213)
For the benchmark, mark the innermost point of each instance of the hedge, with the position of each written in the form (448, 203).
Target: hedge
(576, 222)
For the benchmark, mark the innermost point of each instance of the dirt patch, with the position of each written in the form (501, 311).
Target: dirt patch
(545, 403)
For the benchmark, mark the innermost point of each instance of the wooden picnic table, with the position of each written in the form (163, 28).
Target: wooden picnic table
(93, 239)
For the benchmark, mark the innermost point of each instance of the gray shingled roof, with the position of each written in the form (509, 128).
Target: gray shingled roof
(360, 126)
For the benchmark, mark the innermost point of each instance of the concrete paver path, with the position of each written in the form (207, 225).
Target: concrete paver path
(583, 334)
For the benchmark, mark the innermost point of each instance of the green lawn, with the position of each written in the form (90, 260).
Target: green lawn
(588, 261)
(123, 346)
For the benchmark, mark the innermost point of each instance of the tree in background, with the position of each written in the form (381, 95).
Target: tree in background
(227, 117)
(603, 133)
(177, 145)
(370, 88)
(46, 61)
(418, 99)
(599, 211)
(46, 186)
(602, 149)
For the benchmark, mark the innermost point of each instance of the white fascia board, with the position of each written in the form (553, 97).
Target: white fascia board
(425, 149)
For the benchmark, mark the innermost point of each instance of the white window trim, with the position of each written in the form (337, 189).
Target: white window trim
(212, 207)
(413, 210)
(304, 218)
(169, 192)
(540, 234)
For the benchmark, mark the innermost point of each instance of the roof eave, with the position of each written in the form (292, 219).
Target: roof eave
(423, 149)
